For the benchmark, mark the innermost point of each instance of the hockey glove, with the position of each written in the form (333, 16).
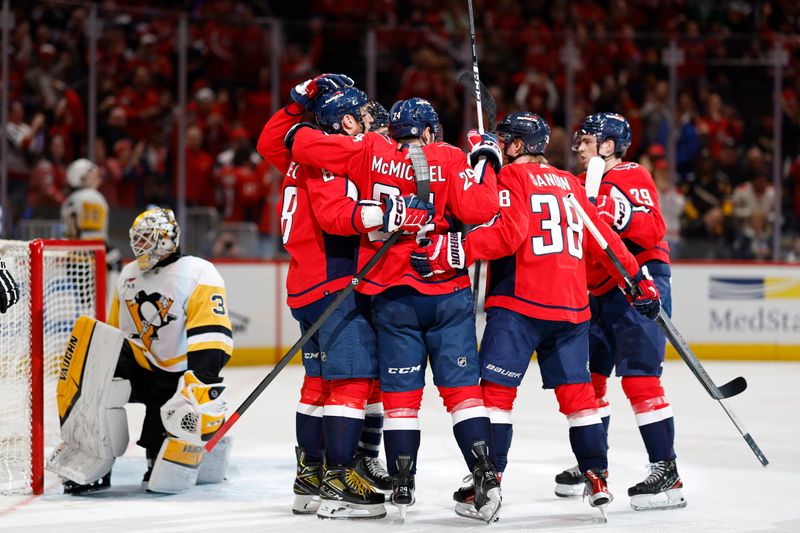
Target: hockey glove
(308, 91)
(616, 212)
(407, 213)
(645, 297)
(439, 255)
(288, 139)
(9, 291)
(484, 146)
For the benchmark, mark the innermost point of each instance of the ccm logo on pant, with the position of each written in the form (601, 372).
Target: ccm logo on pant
(405, 369)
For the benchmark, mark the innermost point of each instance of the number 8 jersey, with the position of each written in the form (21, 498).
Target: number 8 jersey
(538, 245)
(173, 312)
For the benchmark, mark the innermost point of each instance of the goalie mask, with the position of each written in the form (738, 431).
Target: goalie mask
(154, 235)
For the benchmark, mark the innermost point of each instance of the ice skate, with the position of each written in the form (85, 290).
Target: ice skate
(345, 495)
(403, 486)
(660, 490)
(372, 469)
(76, 489)
(465, 499)
(306, 484)
(569, 483)
(488, 496)
(596, 490)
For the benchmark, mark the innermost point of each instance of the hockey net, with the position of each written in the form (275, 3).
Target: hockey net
(58, 282)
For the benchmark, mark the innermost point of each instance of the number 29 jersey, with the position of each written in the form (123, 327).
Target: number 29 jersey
(539, 246)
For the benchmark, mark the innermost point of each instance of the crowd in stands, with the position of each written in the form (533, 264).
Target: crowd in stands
(718, 205)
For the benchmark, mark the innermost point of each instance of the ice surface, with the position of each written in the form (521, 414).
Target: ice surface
(726, 488)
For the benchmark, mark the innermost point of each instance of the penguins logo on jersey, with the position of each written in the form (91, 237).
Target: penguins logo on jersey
(150, 312)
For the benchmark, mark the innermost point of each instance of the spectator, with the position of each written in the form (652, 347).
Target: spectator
(753, 214)
(134, 173)
(672, 202)
(708, 209)
(48, 183)
(199, 170)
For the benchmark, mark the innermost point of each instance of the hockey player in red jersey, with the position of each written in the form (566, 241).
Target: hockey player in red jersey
(417, 318)
(619, 338)
(536, 235)
(320, 222)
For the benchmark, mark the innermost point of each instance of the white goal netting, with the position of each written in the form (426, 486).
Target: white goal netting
(68, 276)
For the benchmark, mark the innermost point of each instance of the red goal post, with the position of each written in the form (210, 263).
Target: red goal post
(59, 280)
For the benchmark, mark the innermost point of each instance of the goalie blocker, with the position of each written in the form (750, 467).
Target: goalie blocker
(95, 382)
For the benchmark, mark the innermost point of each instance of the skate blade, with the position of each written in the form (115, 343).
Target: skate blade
(490, 511)
(467, 510)
(403, 509)
(603, 512)
(305, 504)
(569, 491)
(663, 501)
(334, 510)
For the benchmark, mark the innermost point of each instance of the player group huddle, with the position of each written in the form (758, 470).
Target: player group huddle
(351, 191)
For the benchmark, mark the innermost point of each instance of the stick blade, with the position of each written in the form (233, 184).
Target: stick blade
(733, 387)
(488, 104)
(594, 175)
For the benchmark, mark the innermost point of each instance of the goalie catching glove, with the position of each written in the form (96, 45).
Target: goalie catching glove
(484, 145)
(9, 291)
(645, 297)
(441, 254)
(305, 93)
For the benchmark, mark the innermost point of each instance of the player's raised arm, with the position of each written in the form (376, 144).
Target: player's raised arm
(473, 184)
(270, 142)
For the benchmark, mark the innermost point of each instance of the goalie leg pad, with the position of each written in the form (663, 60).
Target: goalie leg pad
(176, 468)
(86, 393)
(215, 463)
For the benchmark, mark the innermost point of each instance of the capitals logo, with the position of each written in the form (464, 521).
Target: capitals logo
(150, 312)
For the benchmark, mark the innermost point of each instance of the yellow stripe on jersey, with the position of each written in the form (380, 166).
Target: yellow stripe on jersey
(166, 363)
(113, 313)
(211, 345)
(207, 306)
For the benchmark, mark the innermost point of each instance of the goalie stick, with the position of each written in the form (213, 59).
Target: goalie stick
(732, 388)
(422, 177)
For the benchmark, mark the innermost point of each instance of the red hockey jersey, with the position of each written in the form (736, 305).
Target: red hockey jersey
(379, 167)
(539, 246)
(645, 232)
(322, 261)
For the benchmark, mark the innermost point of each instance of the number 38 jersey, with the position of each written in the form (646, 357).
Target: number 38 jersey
(539, 246)
(172, 312)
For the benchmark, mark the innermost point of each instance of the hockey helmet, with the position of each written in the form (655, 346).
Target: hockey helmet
(409, 118)
(331, 108)
(530, 127)
(380, 117)
(77, 171)
(154, 235)
(606, 126)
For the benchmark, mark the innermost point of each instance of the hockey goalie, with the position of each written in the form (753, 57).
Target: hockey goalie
(167, 338)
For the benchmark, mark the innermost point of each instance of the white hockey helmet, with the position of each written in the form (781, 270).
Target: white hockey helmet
(77, 171)
(154, 235)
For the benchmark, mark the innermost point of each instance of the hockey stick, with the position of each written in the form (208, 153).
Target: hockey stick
(487, 102)
(423, 188)
(477, 89)
(732, 388)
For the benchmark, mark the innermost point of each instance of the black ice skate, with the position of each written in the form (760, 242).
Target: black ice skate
(403, 486)
(488, 496)
(306, 484)
(660, 490)
(76, 489)
(372, 469)
(569, 483)
(465, 499)
(345, 495)
(596, 490)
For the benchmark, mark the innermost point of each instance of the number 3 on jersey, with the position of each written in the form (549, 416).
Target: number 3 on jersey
(553, 234)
